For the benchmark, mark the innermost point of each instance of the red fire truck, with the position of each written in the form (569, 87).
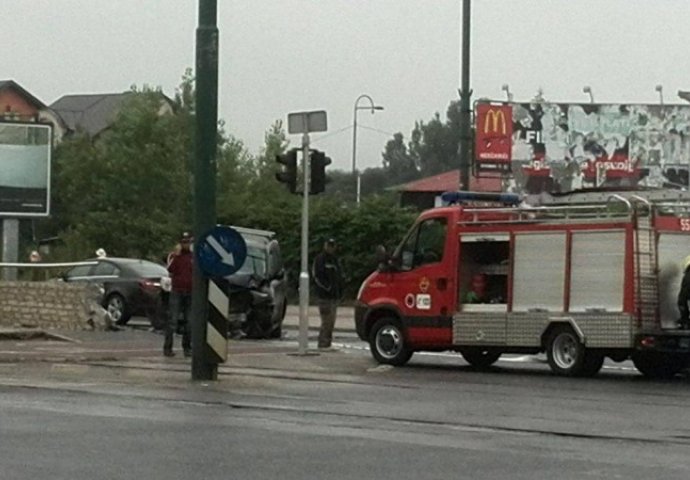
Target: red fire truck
(579, 281)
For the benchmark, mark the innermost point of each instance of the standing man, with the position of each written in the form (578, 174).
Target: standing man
(180, 268)
(328, 289)
(684, 296)
(36, 274)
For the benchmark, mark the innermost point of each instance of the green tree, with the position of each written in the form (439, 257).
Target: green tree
(377, 220)
(398, 164)
(129, 188)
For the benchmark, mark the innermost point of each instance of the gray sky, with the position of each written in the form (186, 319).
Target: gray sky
(279, 56)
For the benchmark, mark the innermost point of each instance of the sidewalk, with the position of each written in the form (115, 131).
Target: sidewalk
(135, 355)
(138, 354)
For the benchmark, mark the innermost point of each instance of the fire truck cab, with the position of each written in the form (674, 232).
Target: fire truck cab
(579, 282)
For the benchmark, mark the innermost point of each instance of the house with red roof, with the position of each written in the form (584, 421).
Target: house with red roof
(426, 192)
(18, 105)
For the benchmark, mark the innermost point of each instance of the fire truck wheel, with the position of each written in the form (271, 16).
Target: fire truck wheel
(657, 365)
(565, 352)
(480, 358)
(387, 342)
(592, 364)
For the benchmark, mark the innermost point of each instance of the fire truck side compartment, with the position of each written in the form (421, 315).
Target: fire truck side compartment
(541, 289)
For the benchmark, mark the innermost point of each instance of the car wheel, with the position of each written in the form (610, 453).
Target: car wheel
(278, 330)
(254, 331)
(116, 306)
(253, 328)
(592, 364)
(480, 358)
(387, 343)
(565, 352)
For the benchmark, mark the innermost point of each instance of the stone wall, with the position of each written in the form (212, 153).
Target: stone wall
(50, 305)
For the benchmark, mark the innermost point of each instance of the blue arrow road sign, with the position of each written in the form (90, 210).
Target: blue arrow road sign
(220, 252)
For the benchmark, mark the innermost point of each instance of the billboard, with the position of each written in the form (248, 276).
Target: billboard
(566, 146)
(25, 151)
(493, 136)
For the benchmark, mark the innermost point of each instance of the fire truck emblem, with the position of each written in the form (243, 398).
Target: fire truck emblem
(423, 301)
(424, 284)
(409, 300)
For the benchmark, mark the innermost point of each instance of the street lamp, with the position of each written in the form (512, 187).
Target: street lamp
(373, 109)
(588, 89)
(506, 88)
(659, 88)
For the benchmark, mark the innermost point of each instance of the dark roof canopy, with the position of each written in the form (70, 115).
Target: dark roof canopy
(91, 113)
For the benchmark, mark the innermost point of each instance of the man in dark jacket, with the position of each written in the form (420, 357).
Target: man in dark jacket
(684, 296)
(328, 289)
(180, 269)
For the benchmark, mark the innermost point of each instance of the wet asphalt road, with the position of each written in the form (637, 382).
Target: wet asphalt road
(293, 418)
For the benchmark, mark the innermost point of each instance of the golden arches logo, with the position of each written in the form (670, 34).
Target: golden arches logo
(493, 117)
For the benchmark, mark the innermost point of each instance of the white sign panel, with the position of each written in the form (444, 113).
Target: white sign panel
(307, 122)
(25, 152)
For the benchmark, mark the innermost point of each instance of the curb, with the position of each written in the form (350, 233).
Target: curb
(32, 334)
(316, 329)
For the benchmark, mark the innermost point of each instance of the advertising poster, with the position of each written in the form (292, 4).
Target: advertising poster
(24, 169)
(560, 147)
(493, 136)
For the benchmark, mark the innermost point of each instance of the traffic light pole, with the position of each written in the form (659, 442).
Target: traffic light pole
(203, 368)
(304, 273)
(465, 93)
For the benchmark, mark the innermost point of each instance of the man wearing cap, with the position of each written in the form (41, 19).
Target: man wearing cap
(180, 269)
(328, 289)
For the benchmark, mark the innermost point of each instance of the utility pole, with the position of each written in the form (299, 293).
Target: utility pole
(303, 340)
(203, 368)
(465, 93)
(305, 122)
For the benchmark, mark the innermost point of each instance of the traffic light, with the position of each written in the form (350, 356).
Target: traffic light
(289, 174)
(319, 161)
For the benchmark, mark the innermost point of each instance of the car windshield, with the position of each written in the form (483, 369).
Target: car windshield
(255, 262)
(144, 268)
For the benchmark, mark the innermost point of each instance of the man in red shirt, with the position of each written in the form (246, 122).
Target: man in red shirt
(180, 269)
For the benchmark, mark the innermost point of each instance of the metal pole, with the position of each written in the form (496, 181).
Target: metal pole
(10, 246)
(465, 93)
(304, 274)
(354, 149)
(203, 368)
(359, 187)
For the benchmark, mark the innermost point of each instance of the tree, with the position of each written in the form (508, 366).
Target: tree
(130, 188)
(399, 165)
(377, 220)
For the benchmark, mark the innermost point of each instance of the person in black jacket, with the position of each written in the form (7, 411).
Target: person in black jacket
(684, 296)
(328, 289)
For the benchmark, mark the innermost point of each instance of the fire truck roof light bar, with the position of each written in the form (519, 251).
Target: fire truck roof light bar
(460, 196)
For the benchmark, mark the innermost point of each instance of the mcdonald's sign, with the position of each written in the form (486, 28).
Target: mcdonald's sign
(494, 119)
(493, 136)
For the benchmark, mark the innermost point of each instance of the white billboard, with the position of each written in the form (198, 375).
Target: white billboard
(25, 153)
(569, 146)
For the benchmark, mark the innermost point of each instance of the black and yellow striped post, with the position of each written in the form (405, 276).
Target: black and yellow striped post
(217, 326)
(218, 254)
